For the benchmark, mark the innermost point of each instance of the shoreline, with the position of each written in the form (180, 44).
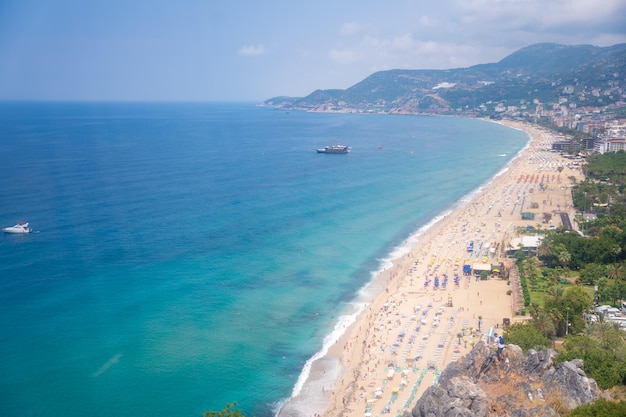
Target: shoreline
(405, 331)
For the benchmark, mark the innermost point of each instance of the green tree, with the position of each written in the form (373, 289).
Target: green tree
(598, 329)
(615, 251)
(603, 352)
(228, 411)
(600, 408)
(534, 310)
(563, 255)
(615, 272)
(532, 272)
(550, 275)
(544, 323)
(526, 336)
(620, 290)
(567, 306)
(545, 251)
(555, 291)
(590, 273)
(604, 288)
(577, 300)
(610, 290)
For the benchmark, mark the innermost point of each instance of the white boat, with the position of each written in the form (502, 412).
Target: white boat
(21, 227)
(334, 149)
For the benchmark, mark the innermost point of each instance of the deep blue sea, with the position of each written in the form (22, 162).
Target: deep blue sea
(185, 256)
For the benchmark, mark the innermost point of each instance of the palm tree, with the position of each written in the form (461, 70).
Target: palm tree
(615, 250)
(555, 291)
(533, 310)
(615, 272)
(598, 329)
(563, 256)
(543, 321)
(546, 248)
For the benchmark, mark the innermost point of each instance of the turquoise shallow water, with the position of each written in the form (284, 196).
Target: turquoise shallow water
(190, 255)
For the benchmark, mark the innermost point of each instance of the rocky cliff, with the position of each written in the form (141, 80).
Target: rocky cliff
(522, 385)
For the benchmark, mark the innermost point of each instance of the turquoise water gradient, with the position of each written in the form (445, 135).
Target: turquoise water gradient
(190, 255)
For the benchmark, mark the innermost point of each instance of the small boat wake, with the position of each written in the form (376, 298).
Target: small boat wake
(115, 359)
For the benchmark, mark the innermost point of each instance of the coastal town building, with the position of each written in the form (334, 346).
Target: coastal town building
(612, 145)
(612, 139)
(528, 244)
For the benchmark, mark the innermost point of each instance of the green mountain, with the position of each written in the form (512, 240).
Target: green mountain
(540, 73)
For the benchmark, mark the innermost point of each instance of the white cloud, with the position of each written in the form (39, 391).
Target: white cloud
(461, 33)
(345, 56)
(404, 42)
(536, 14)
(350, 28)
(427, 21)
(251, 50)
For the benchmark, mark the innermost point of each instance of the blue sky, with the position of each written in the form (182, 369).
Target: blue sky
(240, 50)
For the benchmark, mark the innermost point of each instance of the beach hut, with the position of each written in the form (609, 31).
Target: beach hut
(482, 266)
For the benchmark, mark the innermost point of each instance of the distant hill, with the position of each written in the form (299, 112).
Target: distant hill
(543, 72)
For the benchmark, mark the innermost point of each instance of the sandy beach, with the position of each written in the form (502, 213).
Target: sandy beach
(429, 313)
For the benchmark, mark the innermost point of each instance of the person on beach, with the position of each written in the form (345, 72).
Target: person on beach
(500, 343)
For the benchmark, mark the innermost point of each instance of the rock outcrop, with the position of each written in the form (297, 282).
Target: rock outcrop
(521, 385)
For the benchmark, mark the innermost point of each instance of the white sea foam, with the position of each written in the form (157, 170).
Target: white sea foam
(310, 387)
(308, 396)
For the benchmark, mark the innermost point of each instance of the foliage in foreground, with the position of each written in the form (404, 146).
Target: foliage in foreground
(228, 411)
(603, 350)
(600, 408)
(526, 336)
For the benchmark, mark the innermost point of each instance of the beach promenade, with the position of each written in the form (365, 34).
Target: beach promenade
(429, 313)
